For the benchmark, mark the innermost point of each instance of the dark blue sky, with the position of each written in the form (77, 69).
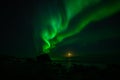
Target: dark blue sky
(17, 33)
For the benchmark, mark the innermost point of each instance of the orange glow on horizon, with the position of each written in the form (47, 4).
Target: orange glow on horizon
(69, 54)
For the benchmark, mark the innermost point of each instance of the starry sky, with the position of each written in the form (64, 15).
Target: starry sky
(87, 28)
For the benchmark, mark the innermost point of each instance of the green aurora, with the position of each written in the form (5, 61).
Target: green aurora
(53, 25)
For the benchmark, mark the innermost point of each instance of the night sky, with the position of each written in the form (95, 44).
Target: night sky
(89, 29)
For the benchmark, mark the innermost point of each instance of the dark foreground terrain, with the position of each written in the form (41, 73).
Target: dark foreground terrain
(45, 69)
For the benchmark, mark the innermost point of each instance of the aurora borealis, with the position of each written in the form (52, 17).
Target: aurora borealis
(85, 27)
(56, 20)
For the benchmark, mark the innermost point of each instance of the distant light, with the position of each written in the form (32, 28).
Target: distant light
(69, 54)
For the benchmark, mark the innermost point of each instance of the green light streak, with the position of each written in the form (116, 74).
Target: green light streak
(76, 6)
(55, 25)
(99, 14)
